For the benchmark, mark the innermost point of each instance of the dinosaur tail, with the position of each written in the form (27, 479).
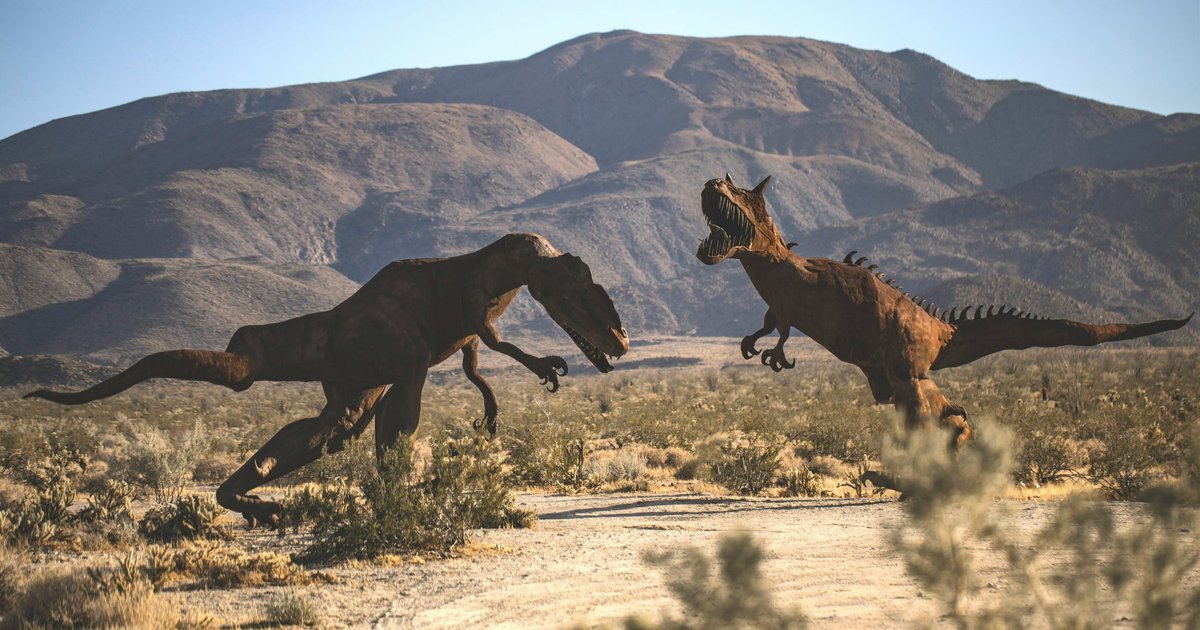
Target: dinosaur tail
(223, 368)
(1010, 330)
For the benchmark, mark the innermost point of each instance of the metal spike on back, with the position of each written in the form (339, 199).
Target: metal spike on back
(860, 261)
(849, 259)
(978, 312)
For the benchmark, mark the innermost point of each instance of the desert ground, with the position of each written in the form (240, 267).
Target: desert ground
(582, 565)
(830, 554)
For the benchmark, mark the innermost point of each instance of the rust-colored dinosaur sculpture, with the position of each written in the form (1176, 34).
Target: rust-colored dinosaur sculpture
(412, 315)
(864, 320)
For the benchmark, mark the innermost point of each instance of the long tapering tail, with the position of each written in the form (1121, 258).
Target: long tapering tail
(979, 337)
(223, 368)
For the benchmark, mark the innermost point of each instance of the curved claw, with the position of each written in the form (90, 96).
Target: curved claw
(777, 360)
(748, 349)
(553, 386)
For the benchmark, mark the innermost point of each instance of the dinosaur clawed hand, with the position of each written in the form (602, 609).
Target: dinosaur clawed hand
(776, 359)
(548, 369)
(748, 349)
(488, 420)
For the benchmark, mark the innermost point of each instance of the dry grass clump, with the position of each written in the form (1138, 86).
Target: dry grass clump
(76, 598)
(290, 608)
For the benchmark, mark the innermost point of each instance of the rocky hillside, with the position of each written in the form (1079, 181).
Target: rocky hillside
(171, 220)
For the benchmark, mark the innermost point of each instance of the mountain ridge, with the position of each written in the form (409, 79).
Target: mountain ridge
(601, 143)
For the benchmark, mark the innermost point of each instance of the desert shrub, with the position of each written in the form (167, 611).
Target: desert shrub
(844, 432)
(863, 480)
(190, 517)
(75, 598)
(948, 497)
(547, 460)
(163, 466)
(43, 512)
(735, 597)
(622, 465)
(208, 564)
(290, 608)
(11, 574)
(111, 502)
(1123, 462)
(405, 509)
(747, 465)
(800, 482)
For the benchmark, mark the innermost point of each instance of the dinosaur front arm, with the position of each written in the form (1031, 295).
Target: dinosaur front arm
(748, 349)
(775, 357)
(547, 368)
(470, 363)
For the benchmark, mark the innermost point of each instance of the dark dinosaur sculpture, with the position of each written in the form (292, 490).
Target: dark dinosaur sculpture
(865, 320)
(412, 315)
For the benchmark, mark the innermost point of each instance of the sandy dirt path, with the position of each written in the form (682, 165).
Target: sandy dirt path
(582, 565)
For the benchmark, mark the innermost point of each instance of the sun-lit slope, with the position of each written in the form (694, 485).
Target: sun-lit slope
(114, 310)
(287, 185)
(1122, 242)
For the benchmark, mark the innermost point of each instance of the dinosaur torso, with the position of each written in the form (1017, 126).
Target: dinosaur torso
(847, 310)
(382, 327)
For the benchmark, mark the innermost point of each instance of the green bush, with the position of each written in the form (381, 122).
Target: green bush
(404, 509)
(948, 498)
(748, 465)
(800, 482)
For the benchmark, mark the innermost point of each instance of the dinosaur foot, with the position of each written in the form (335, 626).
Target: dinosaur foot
(548, 369)
(777, 360)
(255, 510)
(748, 349)
(488, 421)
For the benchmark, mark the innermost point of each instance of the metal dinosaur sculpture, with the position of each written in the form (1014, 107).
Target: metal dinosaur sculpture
(412, 315)
(863, 319)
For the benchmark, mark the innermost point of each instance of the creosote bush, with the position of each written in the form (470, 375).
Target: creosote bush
(1096, 570)
(403, 508)
(747, 465)
(948, 498)
(735, 597)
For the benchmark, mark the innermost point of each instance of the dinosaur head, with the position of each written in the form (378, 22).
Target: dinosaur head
(738, 222)
(563, 284)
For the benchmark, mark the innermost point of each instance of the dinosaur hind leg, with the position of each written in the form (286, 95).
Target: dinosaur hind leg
(295, 445)
(920, 400)
(881, 388)
(399, 413)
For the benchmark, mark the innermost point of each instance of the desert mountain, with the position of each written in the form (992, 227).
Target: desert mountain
(173, 219)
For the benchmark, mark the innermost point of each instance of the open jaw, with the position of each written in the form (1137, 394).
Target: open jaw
(598, 357)
(728, 226)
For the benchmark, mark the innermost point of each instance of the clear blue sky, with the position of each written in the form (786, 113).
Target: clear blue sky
(59, 58)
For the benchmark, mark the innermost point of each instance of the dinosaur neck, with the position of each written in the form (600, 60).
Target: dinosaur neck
(759, 263)
(511, 262)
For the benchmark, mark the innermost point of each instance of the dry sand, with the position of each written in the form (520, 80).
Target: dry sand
(582, 565)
